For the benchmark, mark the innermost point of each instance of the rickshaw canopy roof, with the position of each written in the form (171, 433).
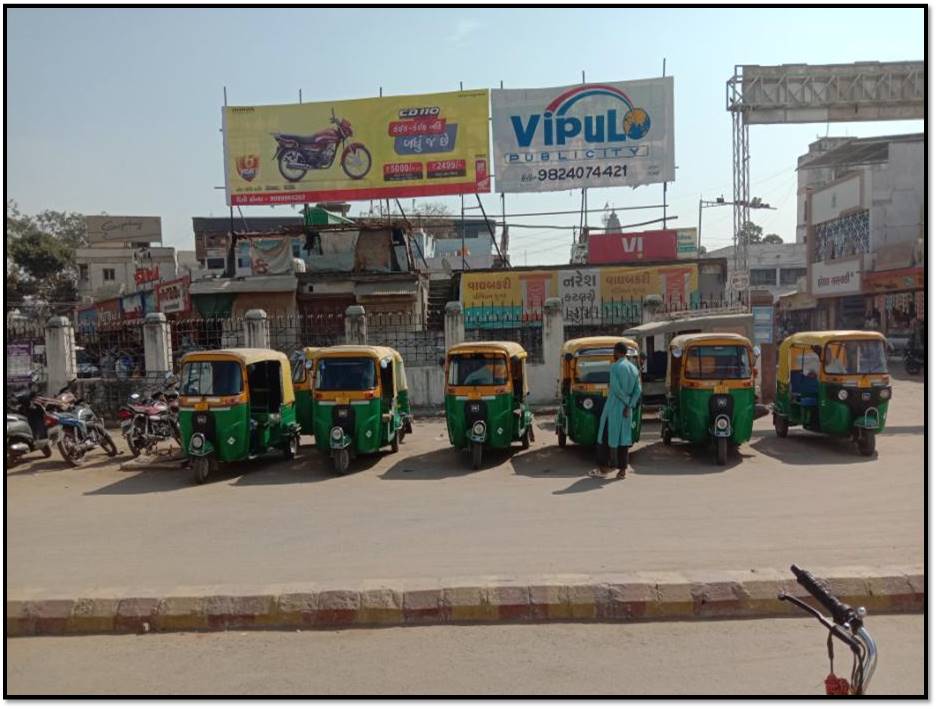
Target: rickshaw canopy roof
(248, 356)
(310, 352)
(822, 337)
(375, 351)
(585, 343)
(511, 349)
(714, 338)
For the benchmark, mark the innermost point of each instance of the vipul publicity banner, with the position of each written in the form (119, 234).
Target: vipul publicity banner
(394, 146)
(585, 135)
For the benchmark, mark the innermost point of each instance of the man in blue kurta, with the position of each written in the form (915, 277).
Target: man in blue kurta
(624, 393)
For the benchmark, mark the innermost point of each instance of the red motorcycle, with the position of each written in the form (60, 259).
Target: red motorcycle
(146, 421)
(298, 154)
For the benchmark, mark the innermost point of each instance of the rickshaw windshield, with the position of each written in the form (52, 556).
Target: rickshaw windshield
(346, 374)
(593, 370)
(718, 362)
(478, 370)
(299, 368)
(855, 357)
(211, 379)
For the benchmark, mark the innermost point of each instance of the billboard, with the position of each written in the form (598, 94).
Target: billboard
(394, 146)
(687, 243)
(836, 278)
(102, 229)
(634, 246)
(173, 296)
(588, 295)
(585, 135)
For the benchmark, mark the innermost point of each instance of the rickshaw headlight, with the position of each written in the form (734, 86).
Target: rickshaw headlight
(587, 404)
(197, 441)
(884, 394)
(337, 433)
(842, 395)
(722, 423)
(478, 428)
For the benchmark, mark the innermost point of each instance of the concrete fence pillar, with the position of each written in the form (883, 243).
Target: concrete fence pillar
(356, 325)
(454, 324)
(157, 344)
(553, 338)
(256, 329)
(61, 365)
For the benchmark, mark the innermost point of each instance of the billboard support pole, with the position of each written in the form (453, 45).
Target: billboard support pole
(491, 231)
(584, 218)
(229, 262)
(462, 199)
(664, 75)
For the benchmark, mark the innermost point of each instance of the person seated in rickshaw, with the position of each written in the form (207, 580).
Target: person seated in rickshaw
(624, 393)
(489, 372)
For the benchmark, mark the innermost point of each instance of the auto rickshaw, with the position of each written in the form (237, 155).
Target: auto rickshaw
(584, 374)
(356, 402)
(710, 393)
(833, 382)
(304, 385)
(486, 397)
(236, 405)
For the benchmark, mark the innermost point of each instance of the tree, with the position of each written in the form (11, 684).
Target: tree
(750, 233)
(435, 218)
(41, 248)
(772, 239)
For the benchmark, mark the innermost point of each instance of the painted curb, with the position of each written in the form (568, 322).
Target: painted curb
(637, 598)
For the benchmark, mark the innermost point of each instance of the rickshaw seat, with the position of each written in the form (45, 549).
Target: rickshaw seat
(803, 385)
(807, 400)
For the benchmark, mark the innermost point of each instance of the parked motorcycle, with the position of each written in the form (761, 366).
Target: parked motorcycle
(28, 428)
(913, 361)
(147, 420)
(297, 154)
(82, 431)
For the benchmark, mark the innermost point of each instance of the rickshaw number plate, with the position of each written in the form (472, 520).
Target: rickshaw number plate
(201, 406)
(721, 389)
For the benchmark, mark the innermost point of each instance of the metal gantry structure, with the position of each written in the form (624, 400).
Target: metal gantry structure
(818, 93)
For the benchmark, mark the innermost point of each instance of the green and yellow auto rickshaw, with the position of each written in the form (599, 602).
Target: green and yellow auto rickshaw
(584, 373)
(833, 382)
(356, 404)
(236, 405)
(710, 394)
(486, 397)
(304, 386)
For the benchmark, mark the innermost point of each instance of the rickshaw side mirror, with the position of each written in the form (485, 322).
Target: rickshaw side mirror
(677, 352)
(308, 364)
(384, 363)
(568, 357)
(756, 350)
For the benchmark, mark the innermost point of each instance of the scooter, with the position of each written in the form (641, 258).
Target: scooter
(298, 154)
(29, 427)
(146, 421)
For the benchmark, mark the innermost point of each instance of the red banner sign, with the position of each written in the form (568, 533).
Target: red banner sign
(146, 275)
(634, 246)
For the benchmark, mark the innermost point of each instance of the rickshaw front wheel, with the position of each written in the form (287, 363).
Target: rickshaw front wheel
(866, 442)
(561, 439)
(780, 426)
(340, 460)
(722, 450)
(477, 450)
(525, 439)
(395, 441)
(201, 468)
(291, 448)
(665, 434)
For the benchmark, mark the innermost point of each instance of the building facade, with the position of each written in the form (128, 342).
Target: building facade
(775, 268)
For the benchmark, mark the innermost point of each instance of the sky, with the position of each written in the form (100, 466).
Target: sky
(119, 110)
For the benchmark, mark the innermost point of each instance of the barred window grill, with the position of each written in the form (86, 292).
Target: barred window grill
(410, 334)
(511, 323)
(196, 334)
(111, 349)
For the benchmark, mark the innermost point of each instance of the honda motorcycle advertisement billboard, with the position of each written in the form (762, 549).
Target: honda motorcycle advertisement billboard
(586, 135)
(375, 148)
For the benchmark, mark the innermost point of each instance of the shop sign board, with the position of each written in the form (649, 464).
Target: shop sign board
(634, 246)
(836, 278)
(173, 296)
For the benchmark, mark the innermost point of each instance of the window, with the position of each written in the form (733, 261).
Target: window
(718, 362)
(789, 276)
(764, 277)
(855, 357)
(478, 370)
(211, 379)
(296, 248)
(345, 374)
(82, 272)
(593, 370)
(214, 263)
(109, 274)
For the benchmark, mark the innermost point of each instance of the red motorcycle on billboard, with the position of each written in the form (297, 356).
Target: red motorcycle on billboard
(298, 154)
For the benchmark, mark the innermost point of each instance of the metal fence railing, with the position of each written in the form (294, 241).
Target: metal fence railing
(418, 338)
(514, 323)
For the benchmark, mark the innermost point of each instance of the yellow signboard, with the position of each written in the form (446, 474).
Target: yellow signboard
(394, 146)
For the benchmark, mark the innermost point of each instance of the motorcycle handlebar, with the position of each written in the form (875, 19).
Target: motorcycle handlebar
(840, 612)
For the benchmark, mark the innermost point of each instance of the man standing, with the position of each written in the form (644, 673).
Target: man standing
(624, 392)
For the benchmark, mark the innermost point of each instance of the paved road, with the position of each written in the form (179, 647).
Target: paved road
(424, 513)
(732, 657)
